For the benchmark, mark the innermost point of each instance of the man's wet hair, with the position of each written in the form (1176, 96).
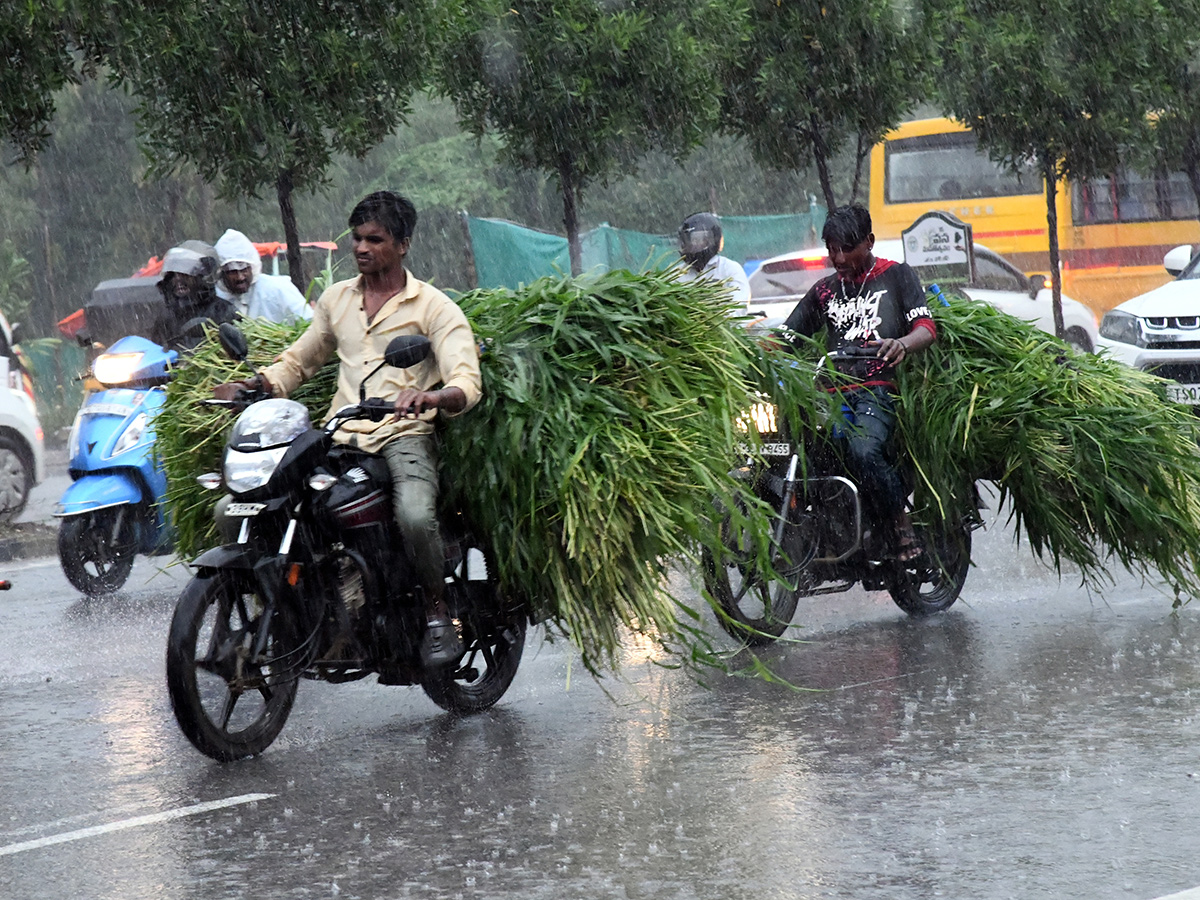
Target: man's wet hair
(396, 214)
(847, 226)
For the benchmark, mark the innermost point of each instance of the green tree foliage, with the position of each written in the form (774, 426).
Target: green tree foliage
(581, 90)
(1174, 133)
(818, 78)
(37, 61)
(16, 279)
(1060, 86)
(262, 95)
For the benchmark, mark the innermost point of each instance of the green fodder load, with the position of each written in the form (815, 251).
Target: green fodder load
(1097, 465)
(596, 458)
(190, 437)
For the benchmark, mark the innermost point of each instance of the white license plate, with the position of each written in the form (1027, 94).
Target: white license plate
(777, 449)
(244, 509)
(1184, 393)
(106, 409)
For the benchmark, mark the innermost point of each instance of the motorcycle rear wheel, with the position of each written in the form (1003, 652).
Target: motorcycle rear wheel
(227, 704)
(932, 582)
(93, 560)
(485, 672)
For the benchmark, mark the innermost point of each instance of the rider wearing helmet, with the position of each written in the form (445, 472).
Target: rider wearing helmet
(188, 286)
(700, 243)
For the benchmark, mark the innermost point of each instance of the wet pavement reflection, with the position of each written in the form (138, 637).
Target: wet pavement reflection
(1034, 741)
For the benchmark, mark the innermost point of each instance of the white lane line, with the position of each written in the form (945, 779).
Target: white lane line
(136, 822)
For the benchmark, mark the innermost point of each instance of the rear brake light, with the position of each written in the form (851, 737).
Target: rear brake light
(798, 264)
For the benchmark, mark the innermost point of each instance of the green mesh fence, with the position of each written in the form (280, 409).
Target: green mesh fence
(509, 255)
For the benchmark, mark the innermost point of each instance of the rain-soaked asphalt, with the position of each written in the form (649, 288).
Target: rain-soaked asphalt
(1032, 742)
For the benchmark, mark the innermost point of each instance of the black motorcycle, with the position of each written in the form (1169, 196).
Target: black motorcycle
(823, 539)
(317, 584)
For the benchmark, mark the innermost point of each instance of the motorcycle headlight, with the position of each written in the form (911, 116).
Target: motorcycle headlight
(116, 368)
(132, 435)
(247, 471)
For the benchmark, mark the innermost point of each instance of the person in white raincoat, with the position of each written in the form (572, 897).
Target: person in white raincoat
(256, 296)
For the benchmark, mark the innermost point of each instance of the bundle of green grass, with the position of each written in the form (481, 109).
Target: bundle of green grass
(599, 455)
(1099, 468)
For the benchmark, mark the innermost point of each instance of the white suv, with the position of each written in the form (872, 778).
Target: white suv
(22, 457)
(1159, 331)
(779, 283)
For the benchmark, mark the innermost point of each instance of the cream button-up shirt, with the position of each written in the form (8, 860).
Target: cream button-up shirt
(339, 324)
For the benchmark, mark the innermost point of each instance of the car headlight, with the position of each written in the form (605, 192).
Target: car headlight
(1123, 328)
(247, 471)
(132, 435)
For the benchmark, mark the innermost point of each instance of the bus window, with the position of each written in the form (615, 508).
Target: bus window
(948, 166)
(1133, 197)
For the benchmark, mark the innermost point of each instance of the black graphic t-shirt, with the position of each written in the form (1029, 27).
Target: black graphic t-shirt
(886, 302)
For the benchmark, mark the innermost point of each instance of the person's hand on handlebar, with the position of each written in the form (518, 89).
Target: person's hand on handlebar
(411, 402)
(231, 389)
(890, 350)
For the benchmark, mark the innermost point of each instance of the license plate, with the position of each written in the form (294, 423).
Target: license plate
(106, 409)
(244, 509)
(1184, 393)
(777, 449)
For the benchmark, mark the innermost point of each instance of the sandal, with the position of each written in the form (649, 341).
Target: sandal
(908, 547)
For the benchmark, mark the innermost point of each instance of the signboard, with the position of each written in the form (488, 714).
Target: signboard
(939, 246)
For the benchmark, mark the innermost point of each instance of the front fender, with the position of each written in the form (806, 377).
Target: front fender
(93, 492)
(228, 556)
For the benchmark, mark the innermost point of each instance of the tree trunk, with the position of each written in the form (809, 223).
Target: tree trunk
(1191, 166)
(566, 181)
(860, 154)
(1050, 173)
(287, 212)
(821, 159)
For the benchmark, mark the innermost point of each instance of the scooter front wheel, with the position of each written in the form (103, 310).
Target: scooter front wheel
(96, 549)
(232, 670)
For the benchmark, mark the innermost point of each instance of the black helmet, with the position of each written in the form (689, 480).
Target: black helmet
(700, 238)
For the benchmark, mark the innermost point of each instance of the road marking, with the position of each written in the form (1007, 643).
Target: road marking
(1189, 894)
(136, 822)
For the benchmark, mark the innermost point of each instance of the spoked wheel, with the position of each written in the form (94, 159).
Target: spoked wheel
(758, 608)
(933, 581)
(230, 697)
(485, 671)
(96, 549)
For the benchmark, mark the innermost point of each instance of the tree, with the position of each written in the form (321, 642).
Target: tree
(815, 77)
(581, 90)
(35, 48)
(262, 95)
(1056, 86)
(1174, 133)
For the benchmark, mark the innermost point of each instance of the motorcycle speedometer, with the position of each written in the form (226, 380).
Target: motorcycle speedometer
(269, 423)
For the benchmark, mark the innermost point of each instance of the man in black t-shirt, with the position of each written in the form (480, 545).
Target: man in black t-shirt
(879, 304)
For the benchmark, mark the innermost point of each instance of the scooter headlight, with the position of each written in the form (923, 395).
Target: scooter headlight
(132, 435)
(247, 471)
(116, 368)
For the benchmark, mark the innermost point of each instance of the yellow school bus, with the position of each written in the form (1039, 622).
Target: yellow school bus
(1112, 232)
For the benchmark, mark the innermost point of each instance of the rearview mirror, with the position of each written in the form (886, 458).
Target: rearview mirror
(1177, 259)
(1036, 283)
(233, 342)
(406, 350)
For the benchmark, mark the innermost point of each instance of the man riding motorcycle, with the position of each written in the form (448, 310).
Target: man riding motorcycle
(188, 286)
(869, 303)
(356, 319)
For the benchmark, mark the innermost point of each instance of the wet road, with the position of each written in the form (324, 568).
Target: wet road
(1032, 742)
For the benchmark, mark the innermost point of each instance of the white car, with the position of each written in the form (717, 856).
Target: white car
(779, 283)
(1159, 331)
(22, 456)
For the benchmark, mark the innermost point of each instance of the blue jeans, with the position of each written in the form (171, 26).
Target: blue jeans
(870, 457)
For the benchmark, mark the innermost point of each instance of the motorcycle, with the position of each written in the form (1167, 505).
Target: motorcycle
(823, 537)
(111, 511)
(317, 585)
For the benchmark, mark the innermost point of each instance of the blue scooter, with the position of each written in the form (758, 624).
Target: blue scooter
(112, 510)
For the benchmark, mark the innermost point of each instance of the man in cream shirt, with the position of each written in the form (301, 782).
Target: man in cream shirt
(356, 319)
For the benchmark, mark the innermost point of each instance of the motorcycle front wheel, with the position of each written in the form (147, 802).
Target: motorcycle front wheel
(229, 700)
(485, 671)
(96, 549)
(932, 582)
(757, 609)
